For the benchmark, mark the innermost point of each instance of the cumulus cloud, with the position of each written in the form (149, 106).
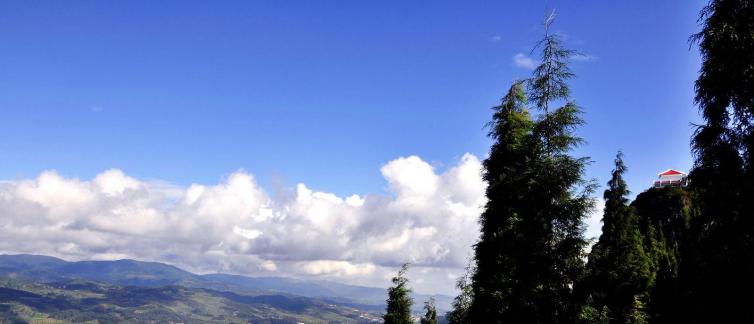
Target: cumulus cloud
(427, 217)
(523, 61)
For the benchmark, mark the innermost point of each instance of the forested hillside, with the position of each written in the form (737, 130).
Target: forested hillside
(35, 288)
(79, 301)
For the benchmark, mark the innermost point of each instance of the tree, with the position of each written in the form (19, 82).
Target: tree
(591, 315)
(459, 314)
(719, 268)
(620, 271)
(637, 314)
(531, 247)
(504, 170)
(430, 312)
(399, 302)
(549, 82)
(664, 217)
(561, 197)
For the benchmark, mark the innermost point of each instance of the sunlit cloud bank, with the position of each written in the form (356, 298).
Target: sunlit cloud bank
(428, 218)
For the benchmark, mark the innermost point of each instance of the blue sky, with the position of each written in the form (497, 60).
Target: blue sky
(323, 92)
(132, 102)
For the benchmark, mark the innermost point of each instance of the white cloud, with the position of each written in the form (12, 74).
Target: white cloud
(337, 268)
(523, 61)
(496, 38)
(584, 57)
(429, 218)
(269, 266)
(247, 233)
(413, 180)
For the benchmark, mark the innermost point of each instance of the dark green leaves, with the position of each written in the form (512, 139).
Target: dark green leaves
(530, 251)
(399, 302)
(718, 266)
(620, 271)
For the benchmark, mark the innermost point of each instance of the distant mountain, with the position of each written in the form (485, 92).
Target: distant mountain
(45, 269)
(322, 288)
(27, 261)
(309, 288)
(128, 272)
(32, 267)
(121, 272)
(87, 302)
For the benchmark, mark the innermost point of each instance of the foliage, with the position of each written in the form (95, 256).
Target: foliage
(531, 248)
(591, 315)
(430, 312)
(619, 268)
(399, 302)
(549, 82)
(637, 314)
(718, 267)
(459, 314)
(664, 217)
(505, 169)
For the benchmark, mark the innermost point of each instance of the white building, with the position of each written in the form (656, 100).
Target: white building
(671, 178)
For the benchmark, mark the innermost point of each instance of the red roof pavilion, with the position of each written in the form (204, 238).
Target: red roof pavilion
(670, 172)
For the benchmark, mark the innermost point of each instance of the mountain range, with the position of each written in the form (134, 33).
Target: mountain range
(262, 298)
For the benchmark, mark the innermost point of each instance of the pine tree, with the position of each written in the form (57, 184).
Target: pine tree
(399, 302)
(719, 267)
(530, 251)
(619, 269)
(430, 312)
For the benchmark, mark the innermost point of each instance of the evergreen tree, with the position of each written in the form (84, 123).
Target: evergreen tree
(430, 312)
(549, 82)
(637, 314)
(506, 174)
(620, 271)
(589, 314)
(399, 302)
(560, 197)
(459, 314)
(664, 216)
(719, 268)
(530, 251)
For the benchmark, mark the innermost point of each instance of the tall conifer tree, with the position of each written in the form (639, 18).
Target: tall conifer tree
(619, 269)
(506, 173)
(399, 302)
(531, 249)
(719, 267)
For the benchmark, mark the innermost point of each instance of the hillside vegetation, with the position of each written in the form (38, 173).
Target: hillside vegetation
(50, 290)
